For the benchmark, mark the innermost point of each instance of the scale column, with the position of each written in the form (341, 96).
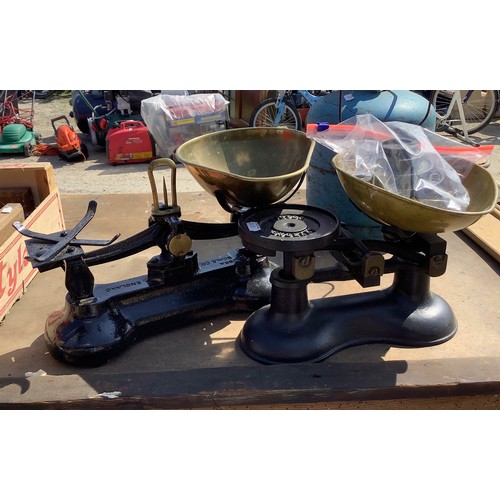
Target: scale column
(288, 296)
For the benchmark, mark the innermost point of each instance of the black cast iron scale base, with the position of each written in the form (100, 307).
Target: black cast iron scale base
(293, 329)
(99, 321)
(93, 330)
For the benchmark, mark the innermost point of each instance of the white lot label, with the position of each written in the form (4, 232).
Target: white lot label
(253, 226)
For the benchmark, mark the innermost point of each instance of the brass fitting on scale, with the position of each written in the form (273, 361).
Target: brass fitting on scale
(178, 242)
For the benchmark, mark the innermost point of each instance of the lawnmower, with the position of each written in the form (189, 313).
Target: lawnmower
(68, 143)
(16, 126)
(16, 138)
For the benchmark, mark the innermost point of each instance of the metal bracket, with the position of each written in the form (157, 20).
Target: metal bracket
(59, 246)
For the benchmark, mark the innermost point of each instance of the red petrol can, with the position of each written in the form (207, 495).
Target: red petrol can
(129, 141)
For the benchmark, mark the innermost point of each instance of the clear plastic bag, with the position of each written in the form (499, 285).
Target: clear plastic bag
(174, 119)
(403, 158)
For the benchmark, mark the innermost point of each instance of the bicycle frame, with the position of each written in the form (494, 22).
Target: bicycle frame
(456, 100)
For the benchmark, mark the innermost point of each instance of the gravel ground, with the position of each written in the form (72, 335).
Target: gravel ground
(96, 176)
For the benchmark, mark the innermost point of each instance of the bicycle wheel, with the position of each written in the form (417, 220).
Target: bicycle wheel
(265, 113)
(479, 109)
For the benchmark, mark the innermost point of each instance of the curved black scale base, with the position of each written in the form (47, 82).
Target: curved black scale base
(90, 334)
(406, 315)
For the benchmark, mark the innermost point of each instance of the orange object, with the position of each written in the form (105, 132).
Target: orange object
(46, 150)
(68, 143)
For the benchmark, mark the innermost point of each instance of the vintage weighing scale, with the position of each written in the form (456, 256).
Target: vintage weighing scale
(252, 172)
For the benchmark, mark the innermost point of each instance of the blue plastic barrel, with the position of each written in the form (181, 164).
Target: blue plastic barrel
(323, 188)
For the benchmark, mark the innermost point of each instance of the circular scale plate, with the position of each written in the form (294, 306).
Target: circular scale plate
(287, 228)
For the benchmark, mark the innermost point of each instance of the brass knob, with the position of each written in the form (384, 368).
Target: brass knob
(179, 244)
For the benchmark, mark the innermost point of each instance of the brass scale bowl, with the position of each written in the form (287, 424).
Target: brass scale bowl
(255, 167)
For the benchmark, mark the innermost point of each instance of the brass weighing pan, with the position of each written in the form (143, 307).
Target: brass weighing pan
(415, 216)
(249, 167)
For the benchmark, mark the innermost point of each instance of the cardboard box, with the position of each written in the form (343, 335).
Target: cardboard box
(15, 271)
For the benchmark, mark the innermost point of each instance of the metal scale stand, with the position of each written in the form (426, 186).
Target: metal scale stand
(100, 320)
(294, 329)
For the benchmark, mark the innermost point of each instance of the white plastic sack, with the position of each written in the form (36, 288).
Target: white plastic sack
(403, 158)
(174, 119)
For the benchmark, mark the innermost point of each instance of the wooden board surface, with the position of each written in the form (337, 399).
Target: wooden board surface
(486, 233)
